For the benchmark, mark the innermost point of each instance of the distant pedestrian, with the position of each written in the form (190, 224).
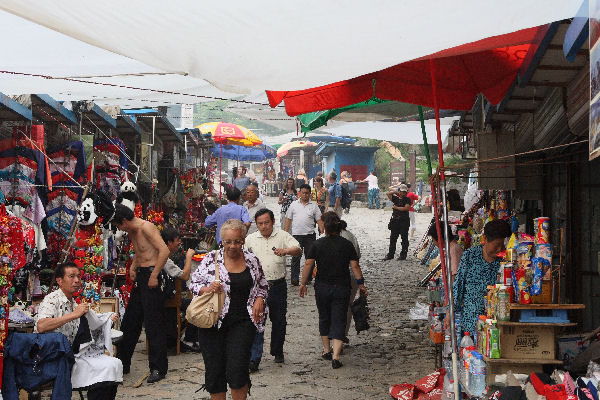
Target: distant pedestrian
(301, 178)
(347, 190)
(334, 257)
(231, 210)
(319, 194)
(301, 218)
(373, 190)
(400, 221)
(286, 197)
(271, 247)
(242, 181)
(335, 195)
(253, 203)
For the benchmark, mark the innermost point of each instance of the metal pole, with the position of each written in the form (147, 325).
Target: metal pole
(445, 258)
(427, 156)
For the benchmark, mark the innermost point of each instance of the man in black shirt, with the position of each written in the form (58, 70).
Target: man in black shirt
(400, 221)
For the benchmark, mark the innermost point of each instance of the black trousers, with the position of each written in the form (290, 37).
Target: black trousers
(105, 391)
(145, 306)
(399, 230)
(305, 242)
(332, 304)
(226, 354)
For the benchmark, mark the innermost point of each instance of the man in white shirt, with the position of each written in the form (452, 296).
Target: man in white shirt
(58, 312)
(373, 190)
(302, 215)
(252, 204)
(271, 248)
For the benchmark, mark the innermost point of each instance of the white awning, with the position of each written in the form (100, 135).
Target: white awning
(251, 46)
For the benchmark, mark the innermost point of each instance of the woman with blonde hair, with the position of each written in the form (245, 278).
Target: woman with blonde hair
(226, 346)
(301, 178)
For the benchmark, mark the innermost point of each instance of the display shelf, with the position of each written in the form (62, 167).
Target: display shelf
(521, 361)
(511, 323)
(515, 306)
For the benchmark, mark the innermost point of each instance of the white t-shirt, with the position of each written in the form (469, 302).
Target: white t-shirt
(303, 216)
(372, 181)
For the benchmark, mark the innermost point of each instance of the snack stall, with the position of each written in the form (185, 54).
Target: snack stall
(524, 318)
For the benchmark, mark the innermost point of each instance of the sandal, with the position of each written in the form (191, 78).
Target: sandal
(327, 356)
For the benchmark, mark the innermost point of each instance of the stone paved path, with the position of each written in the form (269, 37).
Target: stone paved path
(394, 350)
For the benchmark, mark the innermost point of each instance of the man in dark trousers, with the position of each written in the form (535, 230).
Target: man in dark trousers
(147, 301)
(400, 221)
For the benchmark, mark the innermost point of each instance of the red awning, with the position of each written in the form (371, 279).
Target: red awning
(488, 66)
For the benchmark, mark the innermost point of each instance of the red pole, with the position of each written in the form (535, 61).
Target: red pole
(441, 173)
(220, 165)
(444, 245)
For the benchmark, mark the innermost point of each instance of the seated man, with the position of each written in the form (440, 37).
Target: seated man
(171, 237)
(93, 370)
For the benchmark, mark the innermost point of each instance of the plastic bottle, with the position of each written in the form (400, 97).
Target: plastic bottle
(447, 356)
(466, 361)
(466, 341)
(477, 376)
(448, 392)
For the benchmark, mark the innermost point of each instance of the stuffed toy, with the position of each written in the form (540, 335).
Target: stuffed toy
(128, 196)
(86, 214)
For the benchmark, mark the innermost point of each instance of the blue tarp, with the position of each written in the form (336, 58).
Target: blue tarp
(242, 153)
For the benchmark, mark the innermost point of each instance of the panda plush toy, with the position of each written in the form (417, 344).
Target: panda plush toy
(93, 206)
(128, 196)
(86, 214)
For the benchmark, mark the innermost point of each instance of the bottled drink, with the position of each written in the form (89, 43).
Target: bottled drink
(447, 350)
(466, 341)
(447, 356)
(477, 377)
(466, 361)
(448, 393)
(503, 309)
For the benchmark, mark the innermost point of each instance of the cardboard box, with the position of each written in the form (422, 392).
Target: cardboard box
(569, 346)
(527, 342)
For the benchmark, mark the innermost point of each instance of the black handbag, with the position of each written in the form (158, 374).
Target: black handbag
(166, 284)
(360, 313)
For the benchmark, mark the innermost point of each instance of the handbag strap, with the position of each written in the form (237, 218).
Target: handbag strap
(217, 266)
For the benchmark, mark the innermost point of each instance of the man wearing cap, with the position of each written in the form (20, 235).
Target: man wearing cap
(400, 221)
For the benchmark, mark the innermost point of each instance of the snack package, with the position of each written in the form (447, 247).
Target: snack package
(544, 250)
(524, 237)
(538, 274)
(524, 253)
(542, 230)
(524, 295)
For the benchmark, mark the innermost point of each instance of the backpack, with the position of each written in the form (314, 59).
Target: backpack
(346, 196)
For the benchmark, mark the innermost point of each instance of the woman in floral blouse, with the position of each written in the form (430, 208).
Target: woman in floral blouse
(226, 346)
(286, 197)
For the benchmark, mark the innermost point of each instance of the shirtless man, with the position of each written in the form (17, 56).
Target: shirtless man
(146, 303)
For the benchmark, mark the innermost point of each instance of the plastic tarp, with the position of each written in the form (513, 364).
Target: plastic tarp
(246, 47)
(243, 153)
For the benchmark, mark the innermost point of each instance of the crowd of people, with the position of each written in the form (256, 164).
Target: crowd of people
(251, 256)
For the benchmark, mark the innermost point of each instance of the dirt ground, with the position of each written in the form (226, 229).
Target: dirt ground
(395, 350)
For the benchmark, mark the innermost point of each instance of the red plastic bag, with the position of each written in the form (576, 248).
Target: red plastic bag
(405, 391)
(431, 381)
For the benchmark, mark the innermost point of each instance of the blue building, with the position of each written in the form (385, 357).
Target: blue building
(358, 160)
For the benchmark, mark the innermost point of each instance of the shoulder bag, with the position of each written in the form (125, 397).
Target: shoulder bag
(204, 310)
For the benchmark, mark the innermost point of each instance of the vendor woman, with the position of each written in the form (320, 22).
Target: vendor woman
(478, 268)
